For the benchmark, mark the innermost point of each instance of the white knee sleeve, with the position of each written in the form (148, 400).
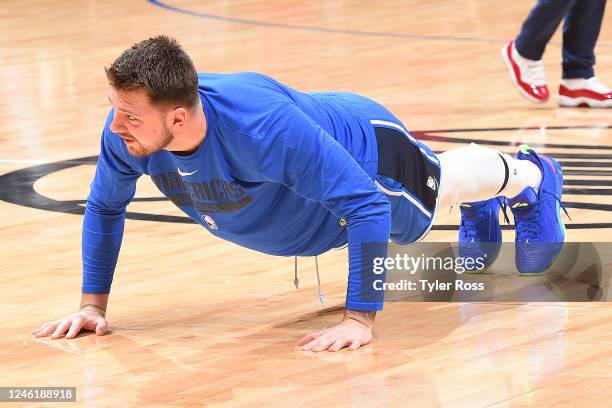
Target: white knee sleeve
(475, 173)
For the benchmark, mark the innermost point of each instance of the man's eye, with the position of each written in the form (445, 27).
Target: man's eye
(130, 117)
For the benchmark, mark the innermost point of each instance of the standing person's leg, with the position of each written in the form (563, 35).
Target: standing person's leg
(580, 32)
(539, 27)
(524, 55)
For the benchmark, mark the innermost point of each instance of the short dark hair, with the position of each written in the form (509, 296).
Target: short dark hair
(161, 68)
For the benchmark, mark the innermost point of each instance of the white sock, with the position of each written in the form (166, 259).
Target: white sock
(476, 173)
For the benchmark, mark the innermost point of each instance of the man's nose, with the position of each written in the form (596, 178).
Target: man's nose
(117, 124)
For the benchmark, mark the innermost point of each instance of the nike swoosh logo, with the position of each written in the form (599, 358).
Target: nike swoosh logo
(183, 174)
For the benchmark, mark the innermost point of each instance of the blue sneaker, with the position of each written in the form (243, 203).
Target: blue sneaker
(537, 216)
(479, 234)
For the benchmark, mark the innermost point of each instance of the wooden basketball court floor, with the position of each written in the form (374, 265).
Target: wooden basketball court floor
(201, 322)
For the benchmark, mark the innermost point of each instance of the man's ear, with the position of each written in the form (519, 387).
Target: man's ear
(176, 118)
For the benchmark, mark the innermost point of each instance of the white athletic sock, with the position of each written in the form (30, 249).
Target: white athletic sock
(476, 173)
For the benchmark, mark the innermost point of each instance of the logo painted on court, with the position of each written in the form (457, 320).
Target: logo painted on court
(586, 177)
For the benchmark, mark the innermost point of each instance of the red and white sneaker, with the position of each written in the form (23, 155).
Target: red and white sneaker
(584, 92)
(527, 75)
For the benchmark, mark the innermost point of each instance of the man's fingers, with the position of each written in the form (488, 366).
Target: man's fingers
(61, 328)
(101, 326)
(46, 330)
(347, 333)
(310, 337)
(40, 328)
(72, 325)
(314, 343)
(338, 344)
(323, 343)
(311, 345)
(75, 328)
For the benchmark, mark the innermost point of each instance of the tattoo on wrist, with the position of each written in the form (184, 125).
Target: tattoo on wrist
(90, 306)
(364, 317)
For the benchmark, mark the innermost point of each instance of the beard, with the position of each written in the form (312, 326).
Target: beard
(137, 149)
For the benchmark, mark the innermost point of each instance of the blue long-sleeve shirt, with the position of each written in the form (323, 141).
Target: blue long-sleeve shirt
(276, 172)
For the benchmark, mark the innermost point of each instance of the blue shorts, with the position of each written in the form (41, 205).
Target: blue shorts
(408, 173)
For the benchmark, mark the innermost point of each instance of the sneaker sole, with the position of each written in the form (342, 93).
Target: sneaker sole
(581, 101)
(515, 80)
(533, 273)
(545, 270)
(489, 265)
(478, 271)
